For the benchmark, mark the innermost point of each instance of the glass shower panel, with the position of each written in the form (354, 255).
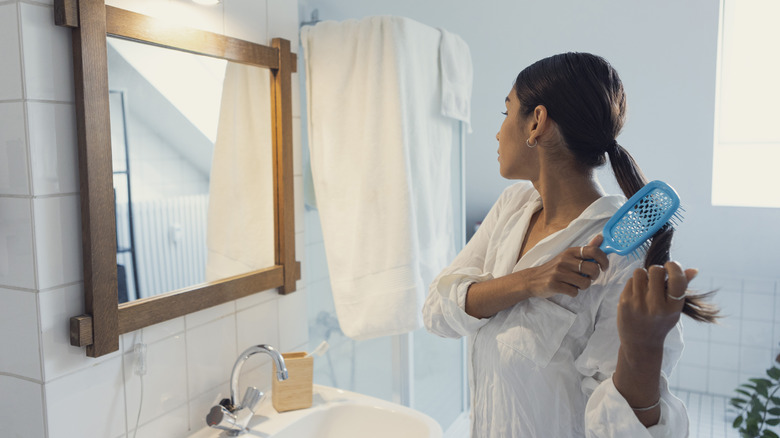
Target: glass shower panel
(438, 377)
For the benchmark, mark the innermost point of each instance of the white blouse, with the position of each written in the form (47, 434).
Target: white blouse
(543, 367)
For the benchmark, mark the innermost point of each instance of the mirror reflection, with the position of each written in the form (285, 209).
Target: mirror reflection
(192, 161)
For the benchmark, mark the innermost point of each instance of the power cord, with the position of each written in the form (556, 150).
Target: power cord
(139, 349)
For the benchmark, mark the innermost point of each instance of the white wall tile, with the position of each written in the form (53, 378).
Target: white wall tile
(296, 102)
(205, 17)
(758, 306)
(21, 352)
(692, 378)
(258, 325)
(211, 353)
(293, 320)
(297, 158)
(21, 408)
(255, 299)
(16, 252)
(693, 330)
(723, 382)
(56, 306)
(727, 284)
(152, 8)
(11, 67)
(317, 265)
(153, 333)
(90, 402)
(48, 59)
(758, 286)
(313, 227)
(173, 424)
(58, 240)
(208, 315)
(724, 357)
(757, 334)
(755, 360)
(246, 20)
(726, 332)
(299, 204)
(14, 173)
(53, 148)
(730, 303)
(283, 22)
(696, 353)
(165, 381)
(300, 255)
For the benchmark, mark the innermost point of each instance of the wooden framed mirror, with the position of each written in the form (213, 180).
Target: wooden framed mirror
(106, 318)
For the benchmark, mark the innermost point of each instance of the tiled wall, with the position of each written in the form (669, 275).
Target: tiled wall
(48, 388)
(717, 358)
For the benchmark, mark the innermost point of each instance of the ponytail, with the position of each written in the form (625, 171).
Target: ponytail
(630, 178)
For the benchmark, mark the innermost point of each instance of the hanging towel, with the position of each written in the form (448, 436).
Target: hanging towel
(457, 76)
(240, 230)
(380, 159)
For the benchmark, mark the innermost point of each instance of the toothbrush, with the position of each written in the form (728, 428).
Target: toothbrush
(320, 350)
(653, 206)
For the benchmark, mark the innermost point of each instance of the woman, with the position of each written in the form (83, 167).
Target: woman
(556, 349)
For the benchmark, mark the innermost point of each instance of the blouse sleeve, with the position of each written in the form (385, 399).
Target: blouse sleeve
(607, 413)
(444, 311)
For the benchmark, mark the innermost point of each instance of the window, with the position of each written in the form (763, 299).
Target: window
(746, 156)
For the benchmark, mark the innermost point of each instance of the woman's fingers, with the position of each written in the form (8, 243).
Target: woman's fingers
(592, 252)
(639, 283)
(677, 283)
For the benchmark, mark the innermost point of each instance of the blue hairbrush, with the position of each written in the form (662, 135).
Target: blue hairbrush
(653, 206)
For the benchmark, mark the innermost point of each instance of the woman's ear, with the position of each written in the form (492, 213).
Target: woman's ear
(539, 122)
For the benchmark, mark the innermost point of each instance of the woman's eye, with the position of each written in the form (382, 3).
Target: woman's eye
(504, 113)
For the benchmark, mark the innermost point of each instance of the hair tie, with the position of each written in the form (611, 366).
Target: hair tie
(612, 147)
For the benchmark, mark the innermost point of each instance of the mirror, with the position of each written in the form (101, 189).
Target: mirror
(109, 127)
(178, 121)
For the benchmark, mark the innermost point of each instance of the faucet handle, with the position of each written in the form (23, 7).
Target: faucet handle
(221, 418)
(251, 397)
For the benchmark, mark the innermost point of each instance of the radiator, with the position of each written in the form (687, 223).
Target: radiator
(170, 243)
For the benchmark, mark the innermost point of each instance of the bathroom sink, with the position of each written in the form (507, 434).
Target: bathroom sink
(337, 413)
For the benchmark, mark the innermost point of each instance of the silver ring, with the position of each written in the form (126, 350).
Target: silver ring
(580, 268)
(582, 256)
(680, 298)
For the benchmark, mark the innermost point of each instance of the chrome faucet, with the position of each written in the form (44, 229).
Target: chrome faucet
(233, 417)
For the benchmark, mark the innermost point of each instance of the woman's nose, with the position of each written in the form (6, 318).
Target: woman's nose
(497, 135)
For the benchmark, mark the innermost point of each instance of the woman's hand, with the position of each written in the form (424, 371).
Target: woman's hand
(569, 272)
(648, 309)
(572, 270)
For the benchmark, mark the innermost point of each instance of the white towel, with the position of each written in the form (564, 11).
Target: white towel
(457, 76)
(380, 160)
(240, 230)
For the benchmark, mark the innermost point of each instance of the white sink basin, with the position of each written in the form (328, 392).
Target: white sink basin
(337, 413)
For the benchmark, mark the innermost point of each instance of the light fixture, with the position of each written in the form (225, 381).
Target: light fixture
(207, 2)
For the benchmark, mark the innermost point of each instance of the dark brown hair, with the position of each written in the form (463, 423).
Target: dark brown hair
(583, 94)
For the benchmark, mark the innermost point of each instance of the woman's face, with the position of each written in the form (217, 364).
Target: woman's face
(516, 160)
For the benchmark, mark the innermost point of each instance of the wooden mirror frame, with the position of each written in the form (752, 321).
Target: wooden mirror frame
(105, 319)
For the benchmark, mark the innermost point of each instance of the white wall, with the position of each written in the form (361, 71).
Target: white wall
(47, 387)
(666, 54)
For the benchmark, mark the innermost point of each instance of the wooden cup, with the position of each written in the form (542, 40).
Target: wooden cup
(296, 391)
